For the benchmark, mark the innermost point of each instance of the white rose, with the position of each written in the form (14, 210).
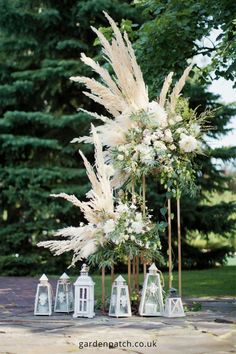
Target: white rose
(188, 143)
(120, 157)
(109, 226)
(158, 113)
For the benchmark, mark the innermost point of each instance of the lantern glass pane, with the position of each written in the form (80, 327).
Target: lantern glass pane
(80, 305)
(151, 302)
(70, 297)
(42, 301)
(85, 306)
(83, 298)
(123, 301)
(113, 301)
(61, 300)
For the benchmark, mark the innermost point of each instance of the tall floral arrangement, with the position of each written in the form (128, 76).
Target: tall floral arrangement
(142, 137)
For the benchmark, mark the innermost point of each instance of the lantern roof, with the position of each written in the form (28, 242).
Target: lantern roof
(64, 276)
(44, 278)
(120, 279)
(152, 268)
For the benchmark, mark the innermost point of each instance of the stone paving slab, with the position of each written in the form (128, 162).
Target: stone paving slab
(211, 330)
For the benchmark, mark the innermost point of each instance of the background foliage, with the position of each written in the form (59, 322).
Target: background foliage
(40, 46)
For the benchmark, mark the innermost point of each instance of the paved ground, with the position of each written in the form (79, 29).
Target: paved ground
(211, 330)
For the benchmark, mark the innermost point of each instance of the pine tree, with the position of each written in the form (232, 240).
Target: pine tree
(40, 45)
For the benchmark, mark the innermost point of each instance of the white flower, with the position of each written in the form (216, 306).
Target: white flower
(126, 237)
(121, 148)
(178, 118)
(147, 140)
(130, 230)
(195, 129)
(158, 113)
(172, 147)
(138, 217)
(120, 157)
(159, 145)
(121, 208)
(137, 226)
(81, 224)
(181, 130)
(146, 132)
(188, 143)
(133, 206)
(168, 136)
(146, 153)
(158, 134)
(132, 237)
(109, 226)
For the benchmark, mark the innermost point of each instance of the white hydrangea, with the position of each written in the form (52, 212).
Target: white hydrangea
(188, 143)
(109, 226)
(158, 114)
(146, 153)
(137, 226)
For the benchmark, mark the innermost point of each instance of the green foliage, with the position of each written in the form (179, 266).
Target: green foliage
(173, 32)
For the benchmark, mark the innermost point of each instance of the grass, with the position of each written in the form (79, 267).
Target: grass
(215, 282)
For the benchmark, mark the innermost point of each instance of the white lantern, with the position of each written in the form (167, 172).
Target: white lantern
(151, 303)
(64, 301)
(43, 298)
(173, 305)
(84, 295)
(120, 301)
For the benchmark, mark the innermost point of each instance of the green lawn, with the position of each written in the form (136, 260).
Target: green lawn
(196, 283)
